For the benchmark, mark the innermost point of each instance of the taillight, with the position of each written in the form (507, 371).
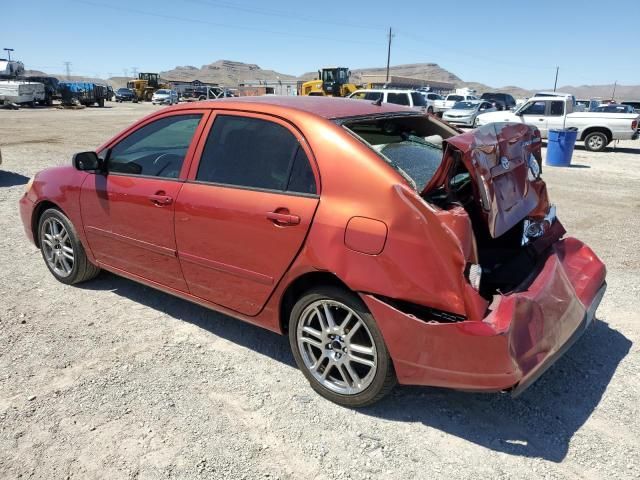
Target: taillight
(634, 125)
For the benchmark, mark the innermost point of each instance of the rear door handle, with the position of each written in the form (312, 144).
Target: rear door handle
(161, 200)
(283, 218)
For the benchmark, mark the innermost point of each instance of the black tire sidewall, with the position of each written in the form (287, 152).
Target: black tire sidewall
(78, 250)
(384, 368)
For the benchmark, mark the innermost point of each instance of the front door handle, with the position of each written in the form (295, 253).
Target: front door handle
(283, 218)
(160, 200)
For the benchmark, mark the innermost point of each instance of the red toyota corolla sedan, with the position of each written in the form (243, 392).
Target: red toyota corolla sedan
(386, 244)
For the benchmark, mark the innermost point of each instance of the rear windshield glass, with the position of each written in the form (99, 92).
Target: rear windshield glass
(411, 144)
(455, 98)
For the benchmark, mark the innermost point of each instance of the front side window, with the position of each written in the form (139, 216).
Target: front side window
(255, 153)
(398, 98)
(158, 149)
(534, 108)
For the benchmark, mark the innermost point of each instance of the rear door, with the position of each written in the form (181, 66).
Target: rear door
(244, 213)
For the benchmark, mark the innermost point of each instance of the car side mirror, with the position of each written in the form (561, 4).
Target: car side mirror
(84, 161)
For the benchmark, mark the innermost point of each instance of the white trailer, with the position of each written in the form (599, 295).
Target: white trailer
(20, 92)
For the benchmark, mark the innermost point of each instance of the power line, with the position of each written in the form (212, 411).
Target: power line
(221, 25)
(283, 14)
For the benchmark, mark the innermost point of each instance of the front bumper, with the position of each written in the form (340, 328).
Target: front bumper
(464, 121)
(522, 335)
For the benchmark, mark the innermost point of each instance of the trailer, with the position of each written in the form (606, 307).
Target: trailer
(83, 93)
(21, 92)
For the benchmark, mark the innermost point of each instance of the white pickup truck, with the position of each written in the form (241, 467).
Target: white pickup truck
(440, 106)
(595, 129)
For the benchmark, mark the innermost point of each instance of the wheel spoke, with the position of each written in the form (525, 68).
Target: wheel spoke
(312, 341)
(362, 361)
(329, 316)
(66, 266)
(353, 347)
(354, 329)
(312, 331)
(352, 373)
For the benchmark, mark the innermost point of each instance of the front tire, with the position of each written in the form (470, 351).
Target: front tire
(62, 250)
(596, 141)
(339, 348)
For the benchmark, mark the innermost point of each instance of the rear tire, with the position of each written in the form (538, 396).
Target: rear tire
(341, 353)
(596, 141)
(62, 250)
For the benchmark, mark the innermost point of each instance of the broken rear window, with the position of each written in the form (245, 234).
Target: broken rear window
(410, 144)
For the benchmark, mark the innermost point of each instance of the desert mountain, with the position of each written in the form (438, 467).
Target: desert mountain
(231, 73)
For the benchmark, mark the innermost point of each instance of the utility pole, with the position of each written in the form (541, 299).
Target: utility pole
(389, 53)
(126, 73)
(8, 50)
(613, 95)
(555, 84)
(67, 66)
(134, 72)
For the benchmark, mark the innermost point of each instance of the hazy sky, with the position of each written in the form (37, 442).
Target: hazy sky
(497, 43)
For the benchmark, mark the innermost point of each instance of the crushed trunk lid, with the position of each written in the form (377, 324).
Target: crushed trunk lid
(500, 159)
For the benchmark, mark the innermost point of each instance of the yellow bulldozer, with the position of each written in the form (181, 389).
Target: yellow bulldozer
(145, 85)
(331, 82)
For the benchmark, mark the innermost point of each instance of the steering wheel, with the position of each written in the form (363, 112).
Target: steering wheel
(169, 160)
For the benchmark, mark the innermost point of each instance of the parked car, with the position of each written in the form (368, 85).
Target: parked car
(409, 98)
(614, 108)
(465, 113)
(125, 95)
(441, 106)
(164, 97)
(595, 129)
(433, 268)
(504, 98)
(635, 105)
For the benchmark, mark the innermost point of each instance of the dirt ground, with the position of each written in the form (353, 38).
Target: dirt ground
(111, 379)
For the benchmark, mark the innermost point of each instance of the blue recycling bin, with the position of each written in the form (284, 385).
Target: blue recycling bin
(560, 145)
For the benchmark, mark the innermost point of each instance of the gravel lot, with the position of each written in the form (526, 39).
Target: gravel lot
(112, 379)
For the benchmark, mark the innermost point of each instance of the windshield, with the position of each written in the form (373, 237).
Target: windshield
(455, 98)
(123, 90)
(465, 106)
(163, 92)
(412, 145)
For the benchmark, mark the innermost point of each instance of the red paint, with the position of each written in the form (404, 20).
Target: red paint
(237, 250)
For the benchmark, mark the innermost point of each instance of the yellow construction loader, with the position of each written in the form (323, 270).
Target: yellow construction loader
(331, 82)
(145, 85)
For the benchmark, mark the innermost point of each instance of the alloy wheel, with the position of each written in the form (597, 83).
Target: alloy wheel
(57, 247)
(337, 347)
(595, 142)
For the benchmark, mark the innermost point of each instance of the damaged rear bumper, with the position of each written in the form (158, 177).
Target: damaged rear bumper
(523, 334)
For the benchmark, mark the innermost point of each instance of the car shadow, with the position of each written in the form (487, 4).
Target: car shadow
(250, 336)
(539, 423)
(11, 179)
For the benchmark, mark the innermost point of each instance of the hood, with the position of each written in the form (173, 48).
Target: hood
(499, 158)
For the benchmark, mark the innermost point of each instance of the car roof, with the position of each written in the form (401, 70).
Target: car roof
(325, 107)
(390, 90)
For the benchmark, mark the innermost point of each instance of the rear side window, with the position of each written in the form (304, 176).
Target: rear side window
(557, 109)
(255, 153)
(157, 149)
(418, 99)
(398, 98)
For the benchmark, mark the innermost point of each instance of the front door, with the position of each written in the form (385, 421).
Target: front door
(128, 213)
(534, 114)
(244, 213)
